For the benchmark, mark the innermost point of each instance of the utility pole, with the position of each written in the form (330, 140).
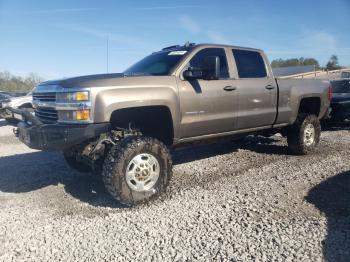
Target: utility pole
(107, 54)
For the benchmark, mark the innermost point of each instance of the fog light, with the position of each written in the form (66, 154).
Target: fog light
(82, 115)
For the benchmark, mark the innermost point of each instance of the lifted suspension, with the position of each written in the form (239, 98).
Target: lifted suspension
(94, 152)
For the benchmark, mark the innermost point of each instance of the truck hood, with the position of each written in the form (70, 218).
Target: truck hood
(87, 81)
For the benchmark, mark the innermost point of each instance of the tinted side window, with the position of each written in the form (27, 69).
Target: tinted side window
(250, 64)
(345, 75)
(197, 60)
(341, 86)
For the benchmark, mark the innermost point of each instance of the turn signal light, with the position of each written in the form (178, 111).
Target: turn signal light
(82, 96)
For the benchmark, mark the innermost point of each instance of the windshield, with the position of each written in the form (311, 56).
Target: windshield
(160, 63)
(341, 86)
(345, 75)
(3, 96)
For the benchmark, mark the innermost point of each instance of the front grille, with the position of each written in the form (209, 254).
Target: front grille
(44, 97)
(46, 115)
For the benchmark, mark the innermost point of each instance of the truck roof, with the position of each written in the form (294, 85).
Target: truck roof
(190, 46)
(229, 46)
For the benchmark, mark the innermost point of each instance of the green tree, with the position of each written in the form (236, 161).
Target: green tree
(333, 63)
(295, 62)
(311, 61)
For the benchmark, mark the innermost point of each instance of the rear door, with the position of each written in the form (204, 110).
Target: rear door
(256, 88)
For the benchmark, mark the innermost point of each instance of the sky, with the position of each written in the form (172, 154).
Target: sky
(69, 37)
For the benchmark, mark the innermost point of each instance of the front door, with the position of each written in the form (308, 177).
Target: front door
(208, 106)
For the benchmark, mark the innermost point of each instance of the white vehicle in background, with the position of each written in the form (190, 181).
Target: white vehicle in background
(20, 102)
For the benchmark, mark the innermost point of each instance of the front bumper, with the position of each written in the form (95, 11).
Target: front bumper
(56, 136)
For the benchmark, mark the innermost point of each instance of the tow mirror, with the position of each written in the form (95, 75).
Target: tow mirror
(210, 70)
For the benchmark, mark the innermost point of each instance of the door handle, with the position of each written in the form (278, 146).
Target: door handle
(269, 87)
(230, 88)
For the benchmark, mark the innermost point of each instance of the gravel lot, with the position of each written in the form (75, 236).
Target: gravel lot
(241, 201)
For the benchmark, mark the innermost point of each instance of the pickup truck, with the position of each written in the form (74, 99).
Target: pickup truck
(340, 104)
(122, 125)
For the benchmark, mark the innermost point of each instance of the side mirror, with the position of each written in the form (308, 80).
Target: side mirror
(210, 70)
(192, 74)
(212, 67)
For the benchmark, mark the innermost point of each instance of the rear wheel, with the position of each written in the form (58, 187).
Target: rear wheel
(137, 170)
(304, 136)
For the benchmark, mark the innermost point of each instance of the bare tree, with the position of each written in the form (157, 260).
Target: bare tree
(9, 82)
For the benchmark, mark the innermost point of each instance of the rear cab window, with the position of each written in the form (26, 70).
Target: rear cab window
(345, 74)
(250, 64)
(342, 87)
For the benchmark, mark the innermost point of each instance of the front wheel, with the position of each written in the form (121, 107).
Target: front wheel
(137, 169)
(304, 136)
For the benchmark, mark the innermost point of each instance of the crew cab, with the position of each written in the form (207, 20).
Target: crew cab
(122, 125)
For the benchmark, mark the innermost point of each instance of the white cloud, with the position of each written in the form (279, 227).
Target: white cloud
(319, 44)
(165, 7)
(317, 39)
(62, 10)
(217, 37)
(120, 39)
(189, 24)
(193, 27)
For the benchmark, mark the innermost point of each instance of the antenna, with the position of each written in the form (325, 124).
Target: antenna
(107, 53)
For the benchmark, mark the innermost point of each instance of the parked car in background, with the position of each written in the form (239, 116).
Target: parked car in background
(16, 102)
(4, 96)
(340, 104)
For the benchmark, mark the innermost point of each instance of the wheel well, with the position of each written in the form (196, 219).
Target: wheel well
(153, 121)
(310, 105)
(26, 105)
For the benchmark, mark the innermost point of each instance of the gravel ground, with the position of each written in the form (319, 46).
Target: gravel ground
(242, 201)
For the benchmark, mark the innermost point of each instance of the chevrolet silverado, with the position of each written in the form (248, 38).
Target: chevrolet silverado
(122, 125)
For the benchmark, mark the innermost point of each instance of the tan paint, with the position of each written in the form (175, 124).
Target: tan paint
(205, 110)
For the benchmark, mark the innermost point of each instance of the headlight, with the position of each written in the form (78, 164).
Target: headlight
(70, 97)
(73, 106)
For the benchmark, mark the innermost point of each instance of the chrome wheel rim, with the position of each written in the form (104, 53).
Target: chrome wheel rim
(309, 134)
(142, 172)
